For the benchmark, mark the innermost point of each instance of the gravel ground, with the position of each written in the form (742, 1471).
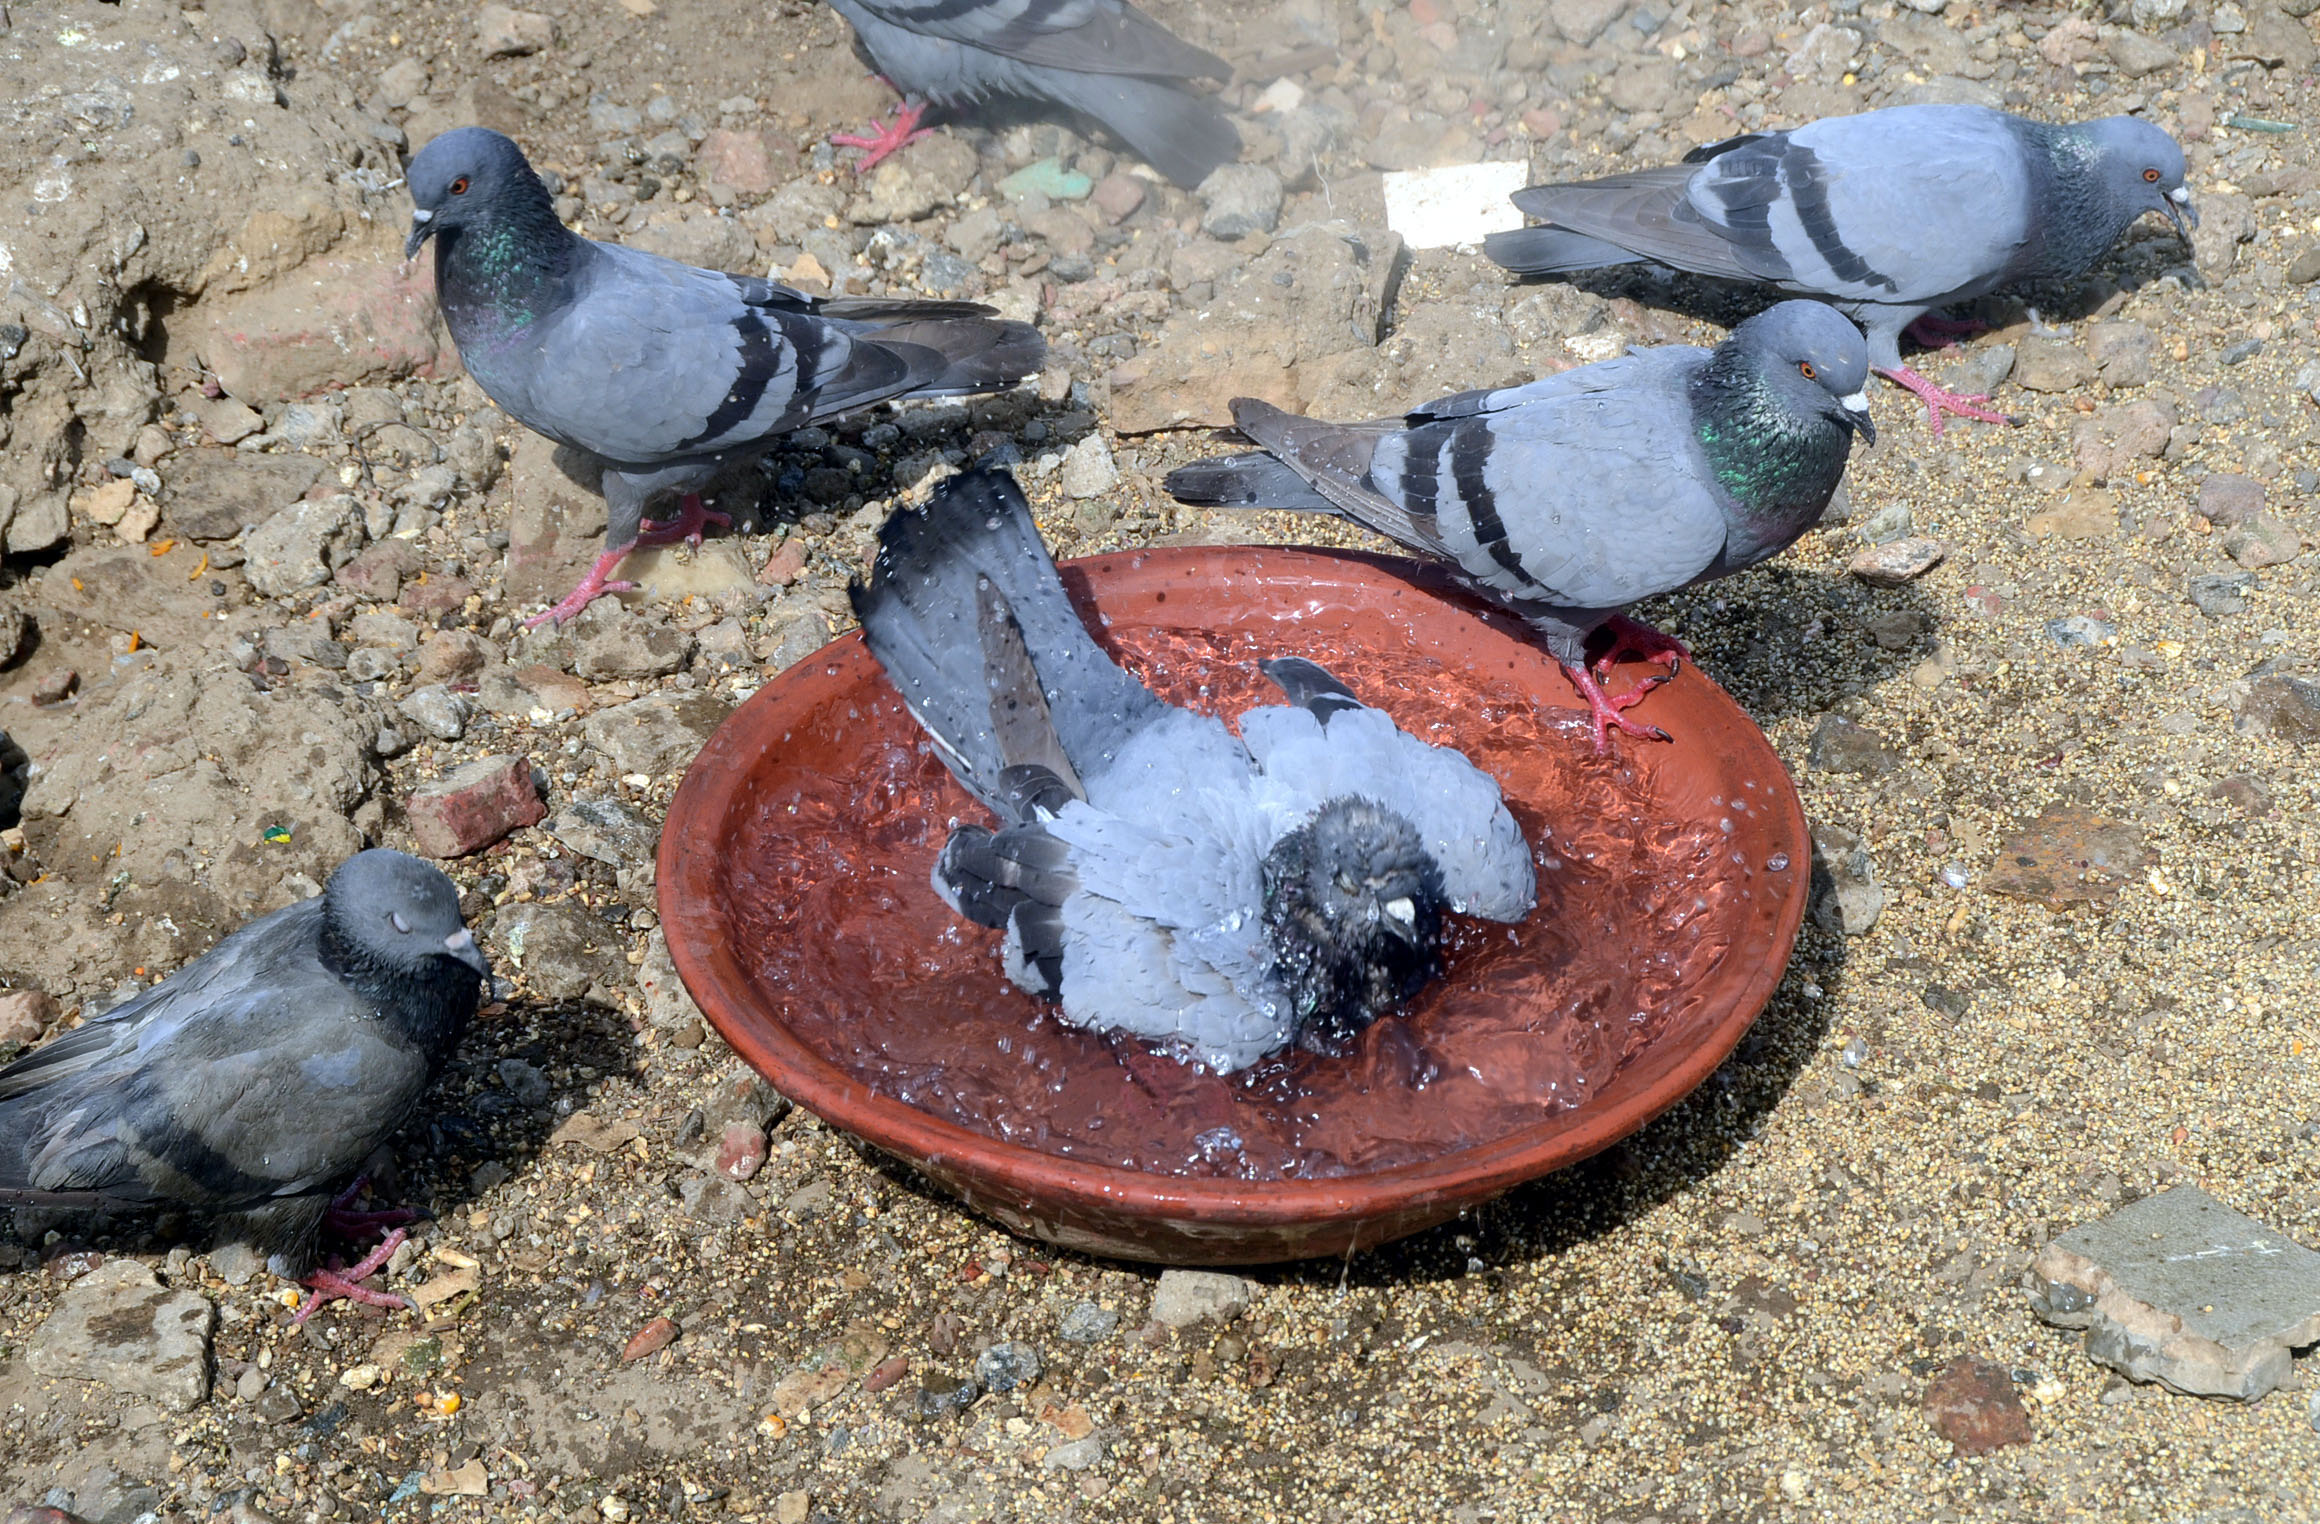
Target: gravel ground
(1734, 1315)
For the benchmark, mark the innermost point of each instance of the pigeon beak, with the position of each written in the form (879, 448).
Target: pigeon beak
(1856, 415)
(422, 229)
(461, 945)
(2179, 211)
(1402, 918)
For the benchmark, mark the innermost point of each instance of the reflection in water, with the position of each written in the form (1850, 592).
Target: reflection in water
(833, 914)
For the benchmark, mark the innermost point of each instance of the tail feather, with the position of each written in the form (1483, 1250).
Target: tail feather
(975, 354)
(1244, 481)
(1552, 251)
(921, 612)
(1334, 459)
(1182, 135)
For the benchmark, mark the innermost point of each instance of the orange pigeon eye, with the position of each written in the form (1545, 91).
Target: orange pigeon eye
(2151, 175)
(1805, 367)
(459, 186)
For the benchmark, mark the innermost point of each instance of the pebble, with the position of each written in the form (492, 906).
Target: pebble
(1898, 561)
(2051, 365)
(502, 32)
(651, 1339)
(2081, 630)
(740, 1150)
(1087, 1323)
(1885, 525)
(1004, 1367)
(1241, 199)
(1088, 469)
(1974, 1406)
(24, 1015)
(1840, 746)
(2228, 500)
(1184, 1298)
(1851, 901)
(2219, 595)
(2282, 707)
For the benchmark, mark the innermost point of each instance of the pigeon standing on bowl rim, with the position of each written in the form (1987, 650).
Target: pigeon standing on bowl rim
(1889, 214)
(666, 373)
(1567, 499)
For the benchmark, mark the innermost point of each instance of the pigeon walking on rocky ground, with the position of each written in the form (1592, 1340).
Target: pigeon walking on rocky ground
(1572, 497)
(666, 373)
(1222, 896)
(1101, 58)
(250, 1085)
(1890, 214)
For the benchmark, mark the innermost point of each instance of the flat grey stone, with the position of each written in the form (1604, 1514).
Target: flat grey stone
(120, 1326)
(1186, 1297)
(2180, 1289)
(607, 830)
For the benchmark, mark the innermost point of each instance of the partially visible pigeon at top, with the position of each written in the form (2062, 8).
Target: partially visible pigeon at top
(1570, 498)
(1889, 214)
(1223, 896)
(665, 372)
(1101, 58)
(250, 1085)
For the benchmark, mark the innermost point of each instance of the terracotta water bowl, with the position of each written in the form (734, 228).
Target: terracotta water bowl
(793, 889)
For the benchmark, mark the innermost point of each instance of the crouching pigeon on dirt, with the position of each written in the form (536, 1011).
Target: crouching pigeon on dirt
(250, 1085)
(666, 373)
(1889, 214)
(1222, 896)
(1101, 58)
(1570, 498)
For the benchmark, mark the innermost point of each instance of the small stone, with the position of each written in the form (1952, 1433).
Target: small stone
(2051, 365)
(738, 159)
(1898, 561)
(503, 32)
(55, 688)
(2229, 500)
(473, 806)
(2085, 513)
(1979, 370)
(2123, 353)
(713, 1198)
(119, 1326)
(302, 545)
(651, 1339)
(785, 565)
(1885, 525)
(1118, 197)
(525, 1083)
(2242, 352)
(1241, 199)
(2263, 541)
(1048, 179)
(1186, 1297)
(227, 421)
(1087, 1323)
(2069, 855)
(886, 1373)
(24, 1015)
(2181, 1289)
(1004, 1367)
(1088, 469)
(1973, 1405)
(657, 734)
(2081, 630)
(1840, 746)
(1846, 898)
(940, 1395)
(2136, 55)
(438, 711)
(237, 1264)
(2281, 708)
(1077, 1455)
(605, 830)
(2219, 595)
(741, 1150)
(2305, 268)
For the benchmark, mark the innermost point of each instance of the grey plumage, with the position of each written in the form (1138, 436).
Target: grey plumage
(1102, 58)
(250, 1084)
(665, 372)
(1889, 214)
(1572, 497)
(1158, 875)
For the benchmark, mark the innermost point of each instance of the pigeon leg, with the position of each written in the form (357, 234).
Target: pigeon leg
(341, 1220)
(685, 526)
(345, 1285)
(901, 130)
(1938, 401)
(592, 587)
(1632, 637)
(1605, 710)
(1933, 331)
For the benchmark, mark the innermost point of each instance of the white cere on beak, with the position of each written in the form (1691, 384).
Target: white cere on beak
(1856, 402)
(1402, 910)
(421, 214)
(2180, 195)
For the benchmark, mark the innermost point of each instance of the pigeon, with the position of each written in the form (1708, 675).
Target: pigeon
(1219, 897)
(1101, 58)
(1889, 214)
(1569, 498)
(664, 372)
(250, 1085)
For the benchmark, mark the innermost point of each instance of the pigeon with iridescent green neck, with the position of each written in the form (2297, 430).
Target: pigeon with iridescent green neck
(1570, 498)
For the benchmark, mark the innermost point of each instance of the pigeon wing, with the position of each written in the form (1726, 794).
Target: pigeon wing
(1086, 36)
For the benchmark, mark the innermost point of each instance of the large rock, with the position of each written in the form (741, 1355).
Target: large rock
(303, 545)
(559, 949)
(474, 805)
(344, 320)
(118, 1325)
(655, 735)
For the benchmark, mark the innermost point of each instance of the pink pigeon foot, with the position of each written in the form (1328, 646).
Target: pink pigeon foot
(592, 587)
(901, 130)
(1631, 637)
(1938, 400)
(341, 1220)
(344, 1285)
(1605, 710)
(1933, 331)
(686, 526)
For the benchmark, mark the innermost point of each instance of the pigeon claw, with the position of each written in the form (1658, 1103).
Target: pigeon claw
(592, 587)
(692, 515)
(1939, 400)
(1933, 331)
(1631, 637)
(345, 1284)
(1605, 710)
(900, 131)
